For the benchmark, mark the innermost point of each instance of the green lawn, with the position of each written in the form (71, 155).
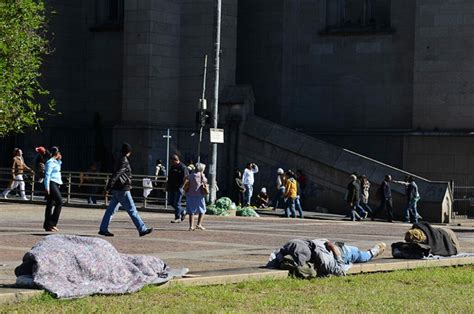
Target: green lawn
(432, 290)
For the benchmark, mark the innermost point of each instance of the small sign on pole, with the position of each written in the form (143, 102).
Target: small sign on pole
(217, 136)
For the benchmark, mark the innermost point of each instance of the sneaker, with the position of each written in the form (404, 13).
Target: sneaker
(183, 216)
(144, 233)
(378, 249)
(191, 229)
(365, 215)
(25, 198)
(5, 196)
(175, 221)
(200, 227)
(106, 233)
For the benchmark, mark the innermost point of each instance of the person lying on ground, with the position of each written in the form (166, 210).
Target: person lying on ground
(423, 239)
(320, 257)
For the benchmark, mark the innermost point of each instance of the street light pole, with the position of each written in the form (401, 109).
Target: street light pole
(215, 117)
(167, 136)
(202, 109)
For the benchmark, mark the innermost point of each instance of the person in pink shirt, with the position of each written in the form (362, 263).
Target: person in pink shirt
(195, 196)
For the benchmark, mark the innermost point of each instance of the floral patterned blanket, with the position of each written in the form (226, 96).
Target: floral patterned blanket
(70, 266)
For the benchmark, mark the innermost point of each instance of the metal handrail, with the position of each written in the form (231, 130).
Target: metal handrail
(76, 191)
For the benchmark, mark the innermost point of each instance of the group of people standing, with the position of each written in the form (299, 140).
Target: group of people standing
(357, 197)
(288, 190)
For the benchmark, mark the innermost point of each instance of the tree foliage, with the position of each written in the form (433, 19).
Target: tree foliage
(23, 44)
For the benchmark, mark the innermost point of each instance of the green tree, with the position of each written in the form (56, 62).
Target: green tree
(23, 44)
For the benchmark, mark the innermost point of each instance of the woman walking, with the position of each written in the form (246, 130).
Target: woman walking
(52, 183)
(365, 187)
(120, 184)
(18, 167)
(195, 196)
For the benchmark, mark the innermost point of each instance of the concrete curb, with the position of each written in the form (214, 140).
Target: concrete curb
(231, 276)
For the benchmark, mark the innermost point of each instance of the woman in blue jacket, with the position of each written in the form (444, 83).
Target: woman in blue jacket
(52, 183)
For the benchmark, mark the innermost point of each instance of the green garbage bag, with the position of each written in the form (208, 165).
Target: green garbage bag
(216, 211)
(246, 212)
(224, 203)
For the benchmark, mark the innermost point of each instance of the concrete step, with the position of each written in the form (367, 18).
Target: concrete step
(9, 294)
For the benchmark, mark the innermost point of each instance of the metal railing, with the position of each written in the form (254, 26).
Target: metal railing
(463, 201)
(80, 188)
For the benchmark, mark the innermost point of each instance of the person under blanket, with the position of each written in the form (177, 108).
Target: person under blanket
(423, 239)
(320, 257)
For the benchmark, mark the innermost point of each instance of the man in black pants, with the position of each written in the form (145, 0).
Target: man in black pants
(176, 175)
(386, 201)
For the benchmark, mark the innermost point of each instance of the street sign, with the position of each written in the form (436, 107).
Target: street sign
(217, 136)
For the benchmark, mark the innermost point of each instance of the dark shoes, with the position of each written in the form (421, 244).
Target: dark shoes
(144, 233)
(106, 233)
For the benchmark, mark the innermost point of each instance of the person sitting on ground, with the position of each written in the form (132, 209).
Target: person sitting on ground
(423, 239)
(263, 198)
(320, 257)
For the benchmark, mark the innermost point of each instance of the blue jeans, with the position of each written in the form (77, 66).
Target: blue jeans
(298, 207)
(410, 213)
(357, 211)
(125, 199)
(366, 207)
(290, 205)
(248, 194)
(352, 254)
(174, 199)
(278, 197)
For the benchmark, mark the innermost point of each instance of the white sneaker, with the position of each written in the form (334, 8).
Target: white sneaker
(4, 196)
(25, 198)
(378, 249)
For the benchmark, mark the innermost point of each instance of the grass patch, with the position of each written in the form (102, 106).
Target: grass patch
(431, 290)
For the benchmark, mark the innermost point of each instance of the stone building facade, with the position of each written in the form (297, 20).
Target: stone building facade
(390, 79)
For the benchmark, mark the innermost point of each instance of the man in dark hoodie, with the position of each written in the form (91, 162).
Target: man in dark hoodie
(120, 184)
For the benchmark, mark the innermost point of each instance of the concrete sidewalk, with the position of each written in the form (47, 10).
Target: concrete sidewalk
(232, 249)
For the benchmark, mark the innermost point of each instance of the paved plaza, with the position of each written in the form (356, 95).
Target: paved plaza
(228, 242)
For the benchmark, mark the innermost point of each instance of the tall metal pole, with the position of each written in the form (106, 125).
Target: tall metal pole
(215, 117)
(202, 109)
(167, 136)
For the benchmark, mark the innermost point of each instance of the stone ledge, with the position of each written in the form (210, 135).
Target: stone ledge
(231, 276)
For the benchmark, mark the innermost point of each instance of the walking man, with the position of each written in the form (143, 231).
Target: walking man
(120, 184)
(386, 193)
(353, 199)
(410, 212)
(248, 180)
(18, 167)
(177, 173)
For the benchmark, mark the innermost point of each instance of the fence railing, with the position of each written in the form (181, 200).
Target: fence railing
(81, 188)
(463, 201)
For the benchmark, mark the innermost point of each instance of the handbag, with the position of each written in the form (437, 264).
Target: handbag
(204, 187)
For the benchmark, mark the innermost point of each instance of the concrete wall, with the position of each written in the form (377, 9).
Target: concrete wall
(327, 168)
(260, 54)
(439, 157)
(444, 71)
(312, 81)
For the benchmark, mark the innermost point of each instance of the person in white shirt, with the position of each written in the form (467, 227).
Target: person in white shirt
(248, 180)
